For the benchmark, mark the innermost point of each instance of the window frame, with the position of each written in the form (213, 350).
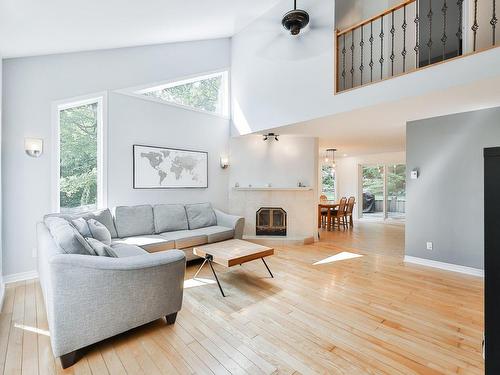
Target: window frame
(139, 91)
(101, 99)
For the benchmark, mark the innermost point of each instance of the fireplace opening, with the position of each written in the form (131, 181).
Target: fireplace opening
(271, 221)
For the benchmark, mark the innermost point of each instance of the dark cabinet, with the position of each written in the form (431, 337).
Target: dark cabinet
(492, 259)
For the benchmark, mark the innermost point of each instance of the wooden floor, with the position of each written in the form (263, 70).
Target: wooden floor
(366, 315)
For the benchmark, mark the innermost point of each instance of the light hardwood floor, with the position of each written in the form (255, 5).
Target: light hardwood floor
(366, 315)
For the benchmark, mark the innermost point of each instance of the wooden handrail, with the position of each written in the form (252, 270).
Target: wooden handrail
(377, 16)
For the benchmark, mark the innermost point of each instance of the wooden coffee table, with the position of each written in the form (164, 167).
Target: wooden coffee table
(231, 253)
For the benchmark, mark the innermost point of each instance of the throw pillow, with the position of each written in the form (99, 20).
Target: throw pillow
(81, 225)
(99, 231)
(67, 237)
(101, 249)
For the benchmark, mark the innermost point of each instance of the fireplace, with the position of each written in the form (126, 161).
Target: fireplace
(271, 221)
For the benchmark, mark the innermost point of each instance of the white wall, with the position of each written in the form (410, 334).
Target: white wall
(138, 121)
(347, 172)
(281, 164)
(279, 80)
(32, 84)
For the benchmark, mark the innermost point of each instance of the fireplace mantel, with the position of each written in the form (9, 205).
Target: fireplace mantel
(272, 188)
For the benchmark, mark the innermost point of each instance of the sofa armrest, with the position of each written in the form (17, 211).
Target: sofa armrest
(237, 223)
(92, 298)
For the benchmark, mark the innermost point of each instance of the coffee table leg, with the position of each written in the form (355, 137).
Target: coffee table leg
(209, 258)
(267, 268)
(199, 269)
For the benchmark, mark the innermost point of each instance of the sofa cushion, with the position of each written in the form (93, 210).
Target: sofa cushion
(122, 250)
(186, 238)
(81, 226)
(104, 217)
(217, 233)
(151, 243)
(169, 217)
(99, 232)
(200, 215)
(134, 220)
(67, 237)
(100, 248)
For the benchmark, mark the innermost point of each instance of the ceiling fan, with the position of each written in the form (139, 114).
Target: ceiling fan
(295, 20)
(312, 31)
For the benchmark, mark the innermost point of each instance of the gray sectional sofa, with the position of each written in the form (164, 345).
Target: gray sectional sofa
(95, 292)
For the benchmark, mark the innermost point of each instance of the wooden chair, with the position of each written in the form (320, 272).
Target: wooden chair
(349, 209)
(338, 215)
(324, 211)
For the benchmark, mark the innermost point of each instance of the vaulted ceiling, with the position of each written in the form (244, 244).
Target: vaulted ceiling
(37, 27)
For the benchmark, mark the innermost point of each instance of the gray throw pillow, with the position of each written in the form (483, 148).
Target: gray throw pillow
(99, 231)
(101, 249)
(103, 217)
(81, 225)
(200, 215)
(67, 237)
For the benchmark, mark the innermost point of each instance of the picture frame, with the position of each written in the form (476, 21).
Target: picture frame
(156, 167)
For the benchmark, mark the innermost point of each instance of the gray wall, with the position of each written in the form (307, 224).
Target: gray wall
(32, 84)
(138, 121)
(445, 204)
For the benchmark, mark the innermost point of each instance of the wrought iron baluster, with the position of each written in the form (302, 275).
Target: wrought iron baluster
(393, 30)
(403, 26)
(475, 26)
(429, 43)
(371, 51)
(352, 58)
(459, 31)
(381, 35)
(361, 66)
(444, 10)
(343, 60)
(493, 22)
(417, 29)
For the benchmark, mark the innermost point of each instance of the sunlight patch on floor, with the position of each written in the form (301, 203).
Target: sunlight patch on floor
(192, 283)
(344, 255)
(32, 329)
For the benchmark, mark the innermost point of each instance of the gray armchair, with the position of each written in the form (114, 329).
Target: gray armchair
(91, 298)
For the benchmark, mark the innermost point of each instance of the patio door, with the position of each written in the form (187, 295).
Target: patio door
(383, 189)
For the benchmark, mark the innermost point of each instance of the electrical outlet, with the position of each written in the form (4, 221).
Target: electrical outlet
(34, 252)
(430, 245)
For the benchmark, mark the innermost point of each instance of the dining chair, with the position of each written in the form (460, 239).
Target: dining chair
(324, 211)
(338, 216)
(348, 211)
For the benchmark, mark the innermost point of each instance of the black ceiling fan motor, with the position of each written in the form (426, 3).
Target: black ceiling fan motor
(295, 20)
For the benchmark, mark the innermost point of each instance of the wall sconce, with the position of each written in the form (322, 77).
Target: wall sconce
(33, 147)
(224, 162)
(270, 136)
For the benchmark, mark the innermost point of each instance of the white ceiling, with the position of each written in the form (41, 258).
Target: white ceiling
(38, 27)
(382, 128)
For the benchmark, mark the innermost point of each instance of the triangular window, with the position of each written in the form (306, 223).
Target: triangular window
(207, 93)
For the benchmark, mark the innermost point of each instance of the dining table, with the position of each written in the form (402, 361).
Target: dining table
(328, 205)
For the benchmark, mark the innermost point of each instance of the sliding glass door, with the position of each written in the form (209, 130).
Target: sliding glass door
(383, 191)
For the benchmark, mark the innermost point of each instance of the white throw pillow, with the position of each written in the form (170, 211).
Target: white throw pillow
(99, 231)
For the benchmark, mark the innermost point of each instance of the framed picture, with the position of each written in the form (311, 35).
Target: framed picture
(169, 168)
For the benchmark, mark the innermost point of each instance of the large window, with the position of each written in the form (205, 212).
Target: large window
(80, 181)
(328, 181)
(207, 93)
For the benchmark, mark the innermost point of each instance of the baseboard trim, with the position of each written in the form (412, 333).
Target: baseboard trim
(445, 266)
(21, 276)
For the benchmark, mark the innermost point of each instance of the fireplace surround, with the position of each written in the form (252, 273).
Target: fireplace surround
(271, 221)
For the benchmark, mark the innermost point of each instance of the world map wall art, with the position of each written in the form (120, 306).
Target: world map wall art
(169, 168)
